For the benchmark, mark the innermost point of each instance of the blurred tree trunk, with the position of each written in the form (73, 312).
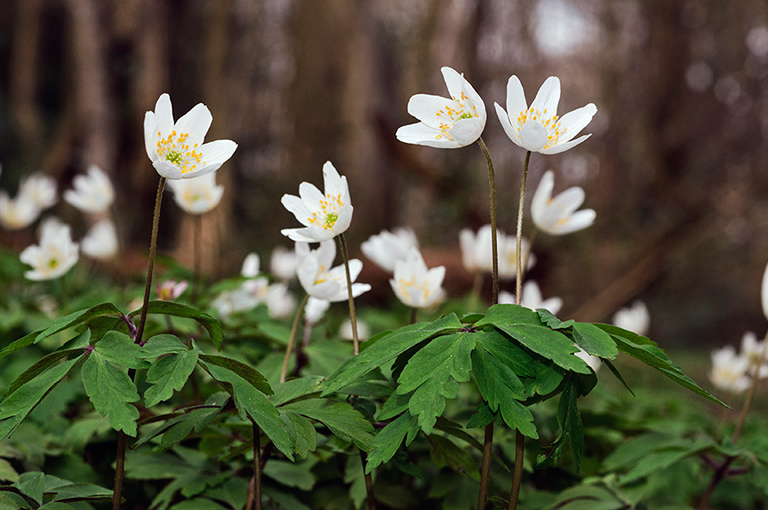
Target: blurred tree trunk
(23, 75)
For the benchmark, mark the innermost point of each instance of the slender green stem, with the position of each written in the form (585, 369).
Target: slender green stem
(517, 478)
(152, 252)
(485, 470)
(294, 328)
(414, 315)
(121, 440)
(257, 466)
(494, 245)
(352, 315)
(519, 235)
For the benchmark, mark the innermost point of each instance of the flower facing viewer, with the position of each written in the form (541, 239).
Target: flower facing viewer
(558, 215)
(324, 216)
(93, 191)
(386, 248)
(176, 149)
(322, 281)
(729, 370)
(54, 256)
(414, 284)
(198, 195)
(446, 123)
(538, 128)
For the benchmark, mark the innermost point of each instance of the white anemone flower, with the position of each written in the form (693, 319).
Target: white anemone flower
(93, 191)
(54, 256)
(324, 216)
(753, 350)
(476, 252)
(446, 123)
(363, 330)
(633, 318)
(532, 298)
(558, 215)
(251, 264)
(17, 213)
(176, 149)
(386, 248)
(101, 241)
(414, 284)
(729, 370)
(280, 302)
(315, 309)
(282, 263)
(538, 128)
(198, 195)
(40, 189)
(171, 289)
(320, 280)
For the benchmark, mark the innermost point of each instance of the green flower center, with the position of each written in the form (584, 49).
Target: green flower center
(53, 263)
(174, 157)
(330, 219)
(465, 115)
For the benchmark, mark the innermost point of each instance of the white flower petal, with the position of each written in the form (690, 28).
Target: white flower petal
(213, 155)
(764, 293)
(164, 114)
(562, 147)
(426, 108)
(516, 102)
(573, 122)
(533, 136)
(167, 169)
(150, 135)
(548, 96)
(467, 131)
(509, 129)
(196, 123)
(296, 206)
(421, 134)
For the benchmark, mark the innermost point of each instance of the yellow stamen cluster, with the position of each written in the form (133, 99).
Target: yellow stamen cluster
(464, 109)
(551, 123)
(327, 215)
(172, 148)
(404, 285)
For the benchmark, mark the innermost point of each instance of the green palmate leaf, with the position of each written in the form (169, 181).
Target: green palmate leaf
(594, 340)
(41, 366)
(434, 373)
(160, 345)
(32, 485)
(648, 352)
(174, 309)
(445, 453)
(303, 433)
(111, 392)
(69, 321)
(617, 374)
(119, 349)
(291, 475)
(343, 420)
(249, 399)
(662, 458)
(169, 374)
(569, 419)
(248, 373)
(191, 419)
(394, 405)
(482, 417)
(386, 349)
(549, 344)
(509, 315)
(553, 322)
(295, 388)
(386, 443)
(17, 405)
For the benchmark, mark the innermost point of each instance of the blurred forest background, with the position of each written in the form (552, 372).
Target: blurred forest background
(676, 168)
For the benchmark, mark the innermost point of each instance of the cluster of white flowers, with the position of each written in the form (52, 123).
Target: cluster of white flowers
(36, 194)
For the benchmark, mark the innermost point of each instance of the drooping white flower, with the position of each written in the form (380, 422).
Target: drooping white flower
(633, 318)
(40, 189)
(282, 263)
(386, 248)
(171, 289)
(729, 370)
(446, 123)
(477, 257)
(280, 302)
(240, 299)
(320, 280)
(101, 241)
(593, 361)
(538, 128)
(558, 215)
(363, 330)
(176, 149)
(532, 298)
(324, 216)
(54, 256)
(753, 350)
(414, 284)
(93, 191)
(315, 309)
(251, 265)
(17, 213)
(197, 195)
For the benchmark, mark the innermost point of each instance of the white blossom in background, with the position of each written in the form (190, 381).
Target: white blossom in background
(538, 128)
(322, 281)
(446, 123)
(40, 189)
(414, 284)
(764, 293)
(558, 215)
(92, 191)
(101, 241)
(280, 302)
(197, 195)
(251, 266)
(176, 149)
(171, 289)
(476, 252)
(17, 213)
(282, 263)
(324, 216)
(633, 318)
(251, 293)
(363, 330)
(753, 350)
(532, 298)
(55, 255)
(729, 370)
(386, 248)
(315, 309)
(593, 361)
